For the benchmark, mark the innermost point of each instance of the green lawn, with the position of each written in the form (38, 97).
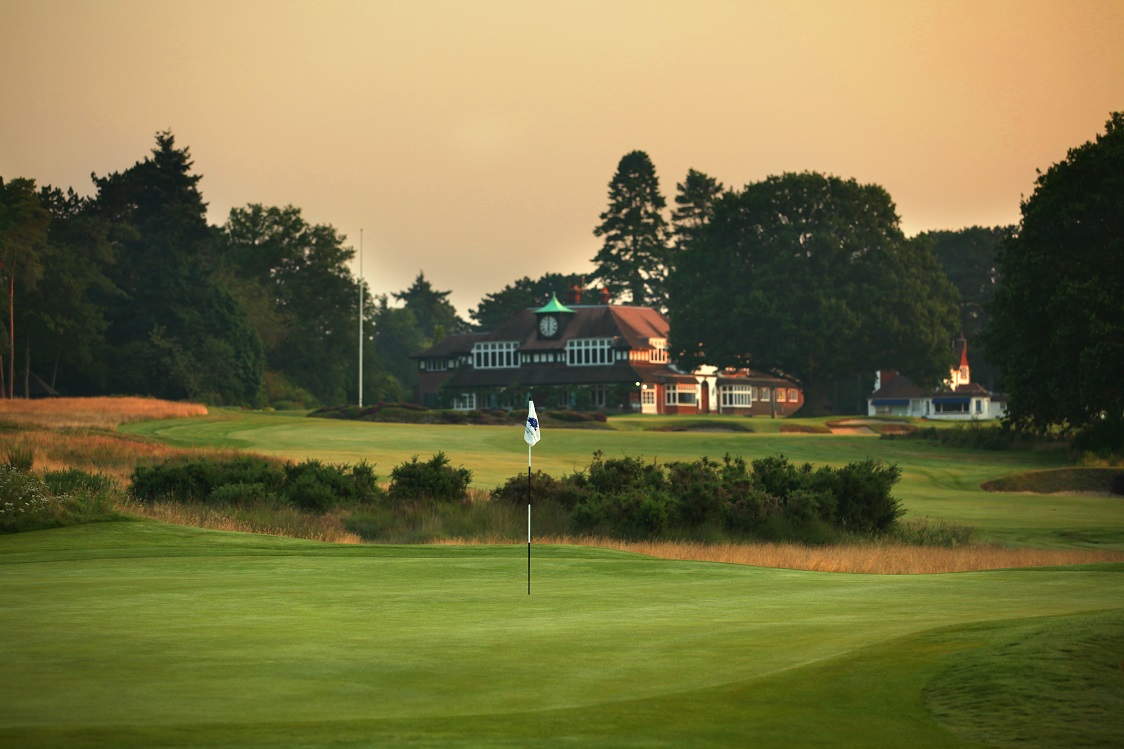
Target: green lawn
(938, 482)
(141, 634)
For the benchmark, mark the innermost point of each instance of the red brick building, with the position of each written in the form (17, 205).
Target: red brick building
(589, 357)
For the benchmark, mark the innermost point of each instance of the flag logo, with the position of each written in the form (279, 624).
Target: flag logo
(531, 433)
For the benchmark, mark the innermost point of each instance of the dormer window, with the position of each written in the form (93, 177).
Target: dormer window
(495, 355)
(588, 352)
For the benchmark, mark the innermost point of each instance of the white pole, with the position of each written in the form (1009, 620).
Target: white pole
(361, 300)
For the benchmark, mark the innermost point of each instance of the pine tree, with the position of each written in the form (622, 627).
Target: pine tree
(635, 255)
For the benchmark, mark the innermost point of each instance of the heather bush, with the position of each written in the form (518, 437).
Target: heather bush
(433, 480)
(245, 480)
(631, 498)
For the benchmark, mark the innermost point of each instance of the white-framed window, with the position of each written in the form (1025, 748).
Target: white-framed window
(495, 355)
(765, 394)
(588, 352)
(658, 354)
(435, 364)
(648, 396)
(793, 395)
(781, 395)
(465, 402)
(733, 396)
(682, 395)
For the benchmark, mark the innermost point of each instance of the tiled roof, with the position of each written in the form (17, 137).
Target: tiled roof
(630, 326)
(451, 345)
(899, 387)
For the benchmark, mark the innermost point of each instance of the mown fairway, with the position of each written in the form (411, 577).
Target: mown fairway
(940, 483)
(140, 634)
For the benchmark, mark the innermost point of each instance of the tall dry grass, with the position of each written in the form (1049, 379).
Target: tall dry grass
(287, 522)
(874, 559)
(92, 413)
(93, 451)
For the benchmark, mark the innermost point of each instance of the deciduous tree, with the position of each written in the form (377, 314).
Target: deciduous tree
(811, 276)
(1057, 326)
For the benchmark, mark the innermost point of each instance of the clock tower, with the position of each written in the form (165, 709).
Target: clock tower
(552, 318)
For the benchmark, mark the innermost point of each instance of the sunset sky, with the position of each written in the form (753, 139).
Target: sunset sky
(475, 139)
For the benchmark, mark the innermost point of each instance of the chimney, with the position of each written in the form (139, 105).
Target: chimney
(605, 295)
(575, 294)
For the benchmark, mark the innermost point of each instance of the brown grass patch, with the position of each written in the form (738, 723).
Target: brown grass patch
(93, 451)
(287, 521)
(92, 413)
(870, 559)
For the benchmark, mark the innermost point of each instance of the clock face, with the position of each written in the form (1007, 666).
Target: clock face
(548, 326)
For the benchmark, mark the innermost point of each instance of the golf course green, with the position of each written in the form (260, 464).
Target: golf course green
(143, 634)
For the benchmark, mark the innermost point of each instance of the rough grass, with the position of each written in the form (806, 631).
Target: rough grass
(93, 413)
(271, 521)
(100, 451)
(1068, 480)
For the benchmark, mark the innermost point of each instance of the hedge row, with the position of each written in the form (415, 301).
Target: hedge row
(628, 497)
(309, 485)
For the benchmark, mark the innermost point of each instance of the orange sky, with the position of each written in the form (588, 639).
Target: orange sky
(475, 140)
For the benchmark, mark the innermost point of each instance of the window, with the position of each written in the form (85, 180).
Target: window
(780, 395)
(658, 354)
(465, 402)
(793, 395)
(733, 396)
(765, 394)
(587, 352)
(682, 395)
(648, 396)
(495, 355)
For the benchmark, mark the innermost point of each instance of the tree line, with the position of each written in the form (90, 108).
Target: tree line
(809, 275)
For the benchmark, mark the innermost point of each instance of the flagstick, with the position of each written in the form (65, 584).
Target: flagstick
(528, 520)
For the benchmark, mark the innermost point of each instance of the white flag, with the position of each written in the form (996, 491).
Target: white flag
(531, 433)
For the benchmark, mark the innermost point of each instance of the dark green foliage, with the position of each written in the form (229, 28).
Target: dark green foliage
(499, 307)
(175, 330)
(433, 480)
(634, 257)
(771, 498)
(188, 480)
(833, 287)
(1057, 326)
(309, 485)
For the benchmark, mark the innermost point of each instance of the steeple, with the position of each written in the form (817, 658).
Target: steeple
(962, 376)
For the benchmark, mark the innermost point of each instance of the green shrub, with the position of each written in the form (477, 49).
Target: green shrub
(632, 498)
(189, 480)
(310, 485)
(242, 494)
(433, 480)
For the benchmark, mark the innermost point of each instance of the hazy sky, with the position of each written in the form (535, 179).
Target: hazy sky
(475, 140)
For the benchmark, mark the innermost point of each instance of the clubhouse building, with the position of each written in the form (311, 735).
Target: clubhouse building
(590, 357)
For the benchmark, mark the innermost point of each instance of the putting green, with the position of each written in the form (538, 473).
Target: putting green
(141, 634)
